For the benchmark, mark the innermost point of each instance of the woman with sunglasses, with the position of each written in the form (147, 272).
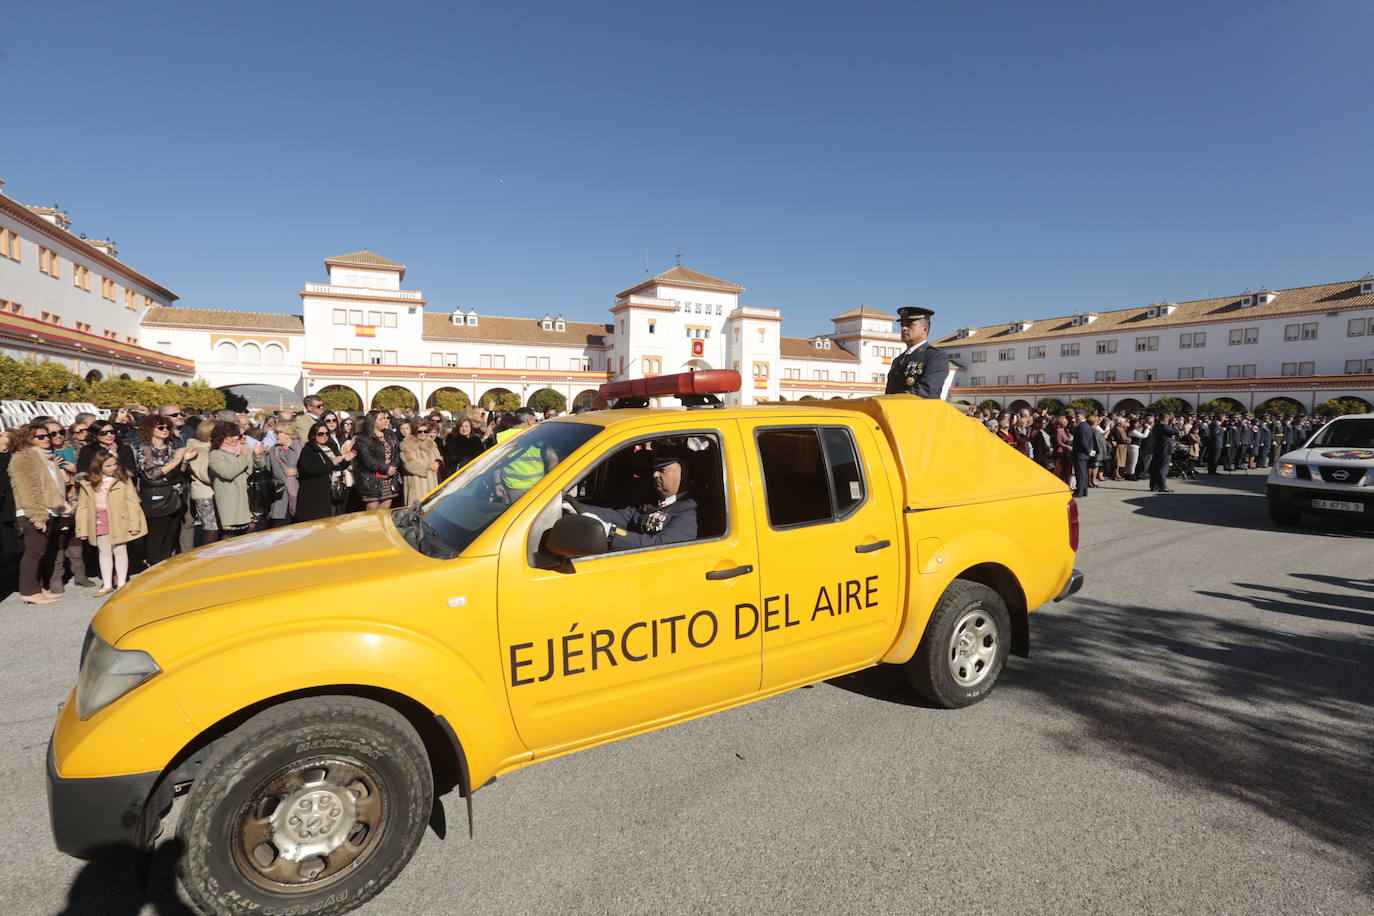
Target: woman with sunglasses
(420, 461)
(104, 435)
(378, 461)
(231, 461)
(40, 502)
(320, 471)
(161, 476)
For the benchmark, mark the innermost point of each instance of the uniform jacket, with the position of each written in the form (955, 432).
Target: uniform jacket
(35, 491)
(123, 505)
(1084, 440)
(921, 373)
(650, 525)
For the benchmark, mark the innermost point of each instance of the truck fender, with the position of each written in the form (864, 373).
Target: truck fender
(473, 712)
(982, 555)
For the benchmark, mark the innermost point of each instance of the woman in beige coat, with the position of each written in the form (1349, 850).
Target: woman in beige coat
(39, 496)
(420, 462)
(110, 515)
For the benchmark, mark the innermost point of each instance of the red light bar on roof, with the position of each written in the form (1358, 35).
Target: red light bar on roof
(709, 381)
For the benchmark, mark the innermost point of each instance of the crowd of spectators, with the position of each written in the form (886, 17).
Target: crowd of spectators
(98, 501)
(1084, 449)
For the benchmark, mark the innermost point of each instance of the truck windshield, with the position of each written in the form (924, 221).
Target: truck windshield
(1345, 434)
(447, 521)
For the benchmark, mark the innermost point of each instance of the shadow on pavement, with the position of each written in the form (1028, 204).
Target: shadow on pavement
(1281, 722)
(121, 885)
(1239, 510)
(884, 682)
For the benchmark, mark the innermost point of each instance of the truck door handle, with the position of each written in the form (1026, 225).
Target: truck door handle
(869, 548)
(729, 573)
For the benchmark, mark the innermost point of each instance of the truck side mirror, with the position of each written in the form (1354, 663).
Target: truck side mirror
(576, 536)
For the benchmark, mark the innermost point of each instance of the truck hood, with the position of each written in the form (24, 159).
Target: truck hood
(306, 555)
(1332, 455)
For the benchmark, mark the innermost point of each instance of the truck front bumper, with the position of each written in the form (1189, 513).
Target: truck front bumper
(98, 816)
(1070, 587)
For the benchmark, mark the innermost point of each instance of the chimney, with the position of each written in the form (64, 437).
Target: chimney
(104, 246)
(54, 216)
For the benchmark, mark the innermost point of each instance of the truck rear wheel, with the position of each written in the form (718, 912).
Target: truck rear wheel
(313, 806)
(964, 646)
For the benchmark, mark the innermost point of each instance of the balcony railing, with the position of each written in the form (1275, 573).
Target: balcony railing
(364, 291)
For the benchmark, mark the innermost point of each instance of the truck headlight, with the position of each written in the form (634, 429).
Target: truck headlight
(1286, 469)
(108, 673)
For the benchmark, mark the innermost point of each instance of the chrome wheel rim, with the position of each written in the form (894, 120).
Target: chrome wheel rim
(973, 647)
(309, 823)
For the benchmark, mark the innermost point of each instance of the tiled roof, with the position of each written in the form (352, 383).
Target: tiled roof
(801, 348)
(1299, 300)
(223, 318)
(687, 277)
(865, 311)
(364, 258)
(516, 330)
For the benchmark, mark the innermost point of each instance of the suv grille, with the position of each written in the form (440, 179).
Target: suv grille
(1349, 476)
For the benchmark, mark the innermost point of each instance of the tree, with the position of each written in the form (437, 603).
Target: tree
(545, 398)
(504, 400)
(450, 400)
(116, 392)
(39, 381)
(989, 404)
(1169, 405)
(1088, 405)
(1220, 405)
(198, 397)
(340, 399)
(1279, 407)
(1339, 407)
(1049, 405)
(393, 397)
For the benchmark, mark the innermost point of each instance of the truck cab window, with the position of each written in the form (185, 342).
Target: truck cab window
(811, 475)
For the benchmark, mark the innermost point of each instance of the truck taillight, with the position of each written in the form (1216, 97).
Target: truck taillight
(1073, 525)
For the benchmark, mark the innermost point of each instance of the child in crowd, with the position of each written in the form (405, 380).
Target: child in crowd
(108, 511)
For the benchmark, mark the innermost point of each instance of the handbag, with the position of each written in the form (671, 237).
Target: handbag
(263, 491)
(159, 497)
(338, 490)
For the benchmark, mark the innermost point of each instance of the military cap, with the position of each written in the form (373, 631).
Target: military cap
(912, 312)
(664, 453)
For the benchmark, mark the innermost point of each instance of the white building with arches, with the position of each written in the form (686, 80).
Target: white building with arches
(70, 300)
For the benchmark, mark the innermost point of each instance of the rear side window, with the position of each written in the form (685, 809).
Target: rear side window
(811, 475)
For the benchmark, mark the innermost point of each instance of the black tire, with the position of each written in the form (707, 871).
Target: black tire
(964, 647)
(1281, 515)
(313, 806)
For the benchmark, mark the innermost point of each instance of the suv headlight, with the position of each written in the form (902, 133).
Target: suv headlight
(108, 673)
(1286, 469)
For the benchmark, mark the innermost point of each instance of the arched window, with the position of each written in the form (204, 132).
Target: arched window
(274, 355)
(227, 352)
(252, 354)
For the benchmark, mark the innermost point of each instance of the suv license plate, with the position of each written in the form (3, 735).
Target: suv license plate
(1337, 504)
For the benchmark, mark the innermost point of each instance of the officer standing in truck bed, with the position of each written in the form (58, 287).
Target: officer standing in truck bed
(921, 369)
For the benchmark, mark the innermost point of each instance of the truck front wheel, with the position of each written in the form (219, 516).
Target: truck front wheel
(964, 646)
(313, 806)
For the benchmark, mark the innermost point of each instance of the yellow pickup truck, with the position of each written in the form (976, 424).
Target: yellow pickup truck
(309, 689)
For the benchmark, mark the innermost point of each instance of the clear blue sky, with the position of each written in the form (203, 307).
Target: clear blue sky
(988, 160)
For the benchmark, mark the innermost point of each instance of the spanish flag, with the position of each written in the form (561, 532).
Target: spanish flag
(365, 330)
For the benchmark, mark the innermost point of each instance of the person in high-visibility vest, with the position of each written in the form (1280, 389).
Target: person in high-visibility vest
(524, 469)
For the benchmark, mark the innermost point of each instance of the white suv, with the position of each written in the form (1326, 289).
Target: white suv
(1332, 474)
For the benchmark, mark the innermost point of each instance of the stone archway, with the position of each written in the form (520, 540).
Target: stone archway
(1128, 404)
(1221, 405)
(587, 397)
(263, 396)
(1018, 405)
(1280, 405)
(94, 376)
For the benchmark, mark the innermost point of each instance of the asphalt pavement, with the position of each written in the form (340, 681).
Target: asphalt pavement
(1191, 734)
